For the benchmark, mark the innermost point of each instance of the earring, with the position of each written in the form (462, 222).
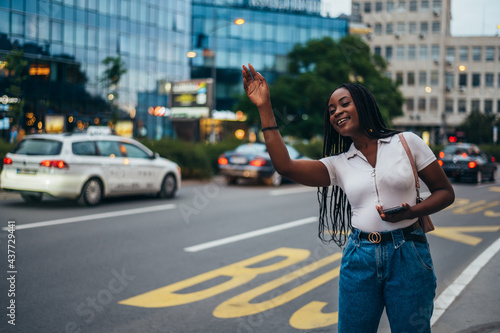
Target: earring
(371, 130)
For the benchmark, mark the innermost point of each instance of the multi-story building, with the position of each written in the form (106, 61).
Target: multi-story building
(442, 77)
(65, 42)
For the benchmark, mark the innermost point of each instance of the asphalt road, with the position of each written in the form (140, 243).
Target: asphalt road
(216, 258)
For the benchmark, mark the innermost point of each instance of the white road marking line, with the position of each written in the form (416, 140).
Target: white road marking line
(94, 217)
(293, 190)
(447, 297)
(251, 234)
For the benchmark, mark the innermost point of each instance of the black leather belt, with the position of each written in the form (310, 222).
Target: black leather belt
(379, 237)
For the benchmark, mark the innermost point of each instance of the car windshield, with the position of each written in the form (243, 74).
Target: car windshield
(38, 147)
(251, 149)
(459, 150)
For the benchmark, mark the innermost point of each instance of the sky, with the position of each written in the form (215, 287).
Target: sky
(468, 18)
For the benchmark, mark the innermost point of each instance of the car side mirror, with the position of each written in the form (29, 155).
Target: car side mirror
(155, 155)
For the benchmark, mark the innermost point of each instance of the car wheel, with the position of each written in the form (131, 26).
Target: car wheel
(274, 180)
(32, 197)
(492, 178)
(479, 177)
(168, 187)
(92, 193)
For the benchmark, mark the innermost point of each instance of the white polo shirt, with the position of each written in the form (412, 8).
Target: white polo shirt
(390, 183)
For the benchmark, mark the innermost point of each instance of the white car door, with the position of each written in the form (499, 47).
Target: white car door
(114, 166)
(142, 173)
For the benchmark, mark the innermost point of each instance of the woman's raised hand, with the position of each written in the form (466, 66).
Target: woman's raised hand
(255, 86)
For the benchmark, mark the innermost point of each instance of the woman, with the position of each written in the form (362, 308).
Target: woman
(368, 171)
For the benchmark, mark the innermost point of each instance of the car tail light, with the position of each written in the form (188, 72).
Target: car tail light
(440, 162)
(258, 162)
(7, 160)
(472, 165)
(441, 154)
(59, 164)
(223, 160)
(464, 155)
(492, 159)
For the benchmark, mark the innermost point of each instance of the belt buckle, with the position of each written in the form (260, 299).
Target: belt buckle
(375, 237)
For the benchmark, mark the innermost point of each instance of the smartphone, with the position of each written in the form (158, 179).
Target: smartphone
(394, 210)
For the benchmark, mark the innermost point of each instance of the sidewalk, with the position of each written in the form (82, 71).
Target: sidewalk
(477, 308)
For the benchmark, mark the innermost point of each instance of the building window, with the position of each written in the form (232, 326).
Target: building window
(476, 53)
(411, 52)
(463, 53)
(436, 27)
(448, 105)
(421, 104)
(388, 53)
(388, 75)
(474, 105)
(401, 28)
(401, 5)
(412, 28)
(410, 104)
(450, 81)
(378, 29)
(424, 28)
(413, 6)
(422, 78)
(399, 77)
(462, 106)
(424, 5)
(423, 52)
(436, 5)
(368, 7)
(488, 106)
(434, 104)
(489, 80)
(476, 79)
(434, 78)
(498, 83)
(377, 50)
(411, 79)
(389, 29)
(400, 52)
(378, 7)
(435, 52)
(498, 106)
(462, 80)
(489, 53)
(450, 54)
(355, 8)
(390, 6)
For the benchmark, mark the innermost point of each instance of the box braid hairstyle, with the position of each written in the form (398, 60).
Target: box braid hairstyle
(335, 209)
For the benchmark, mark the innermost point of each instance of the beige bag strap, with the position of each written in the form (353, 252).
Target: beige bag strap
(412, 162)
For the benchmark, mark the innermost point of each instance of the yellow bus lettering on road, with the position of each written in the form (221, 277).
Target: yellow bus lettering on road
(310, 317)
(240, 305)
(239, 273)
(457, 234)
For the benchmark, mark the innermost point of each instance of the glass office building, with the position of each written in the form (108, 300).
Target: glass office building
(270, 31)
(65, 42)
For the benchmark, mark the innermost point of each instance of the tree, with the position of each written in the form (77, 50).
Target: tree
(478, 127)
(315, 70)
(16, 66)
(111, 77)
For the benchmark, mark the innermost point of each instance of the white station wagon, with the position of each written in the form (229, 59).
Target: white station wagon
(86, 168)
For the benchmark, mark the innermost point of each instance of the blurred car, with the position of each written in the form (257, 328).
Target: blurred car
(252, 161)
(86, 168)
(466, 161)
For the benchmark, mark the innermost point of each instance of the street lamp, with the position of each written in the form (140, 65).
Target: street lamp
(238, 21)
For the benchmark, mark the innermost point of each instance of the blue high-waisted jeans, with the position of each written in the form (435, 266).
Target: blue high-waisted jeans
(397, 274)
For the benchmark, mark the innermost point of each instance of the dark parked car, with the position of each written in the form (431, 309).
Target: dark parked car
(252, 161)
(466, 161)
